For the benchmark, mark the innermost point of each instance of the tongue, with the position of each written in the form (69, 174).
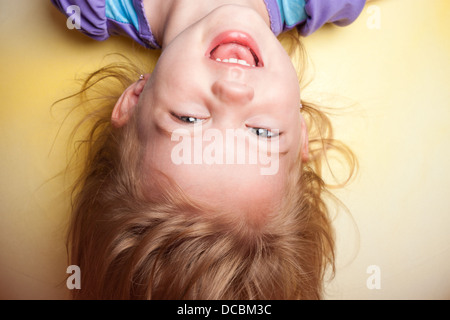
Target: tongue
(233, 50)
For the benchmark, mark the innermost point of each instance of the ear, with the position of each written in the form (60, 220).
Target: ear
(127, 102)
(304, 140)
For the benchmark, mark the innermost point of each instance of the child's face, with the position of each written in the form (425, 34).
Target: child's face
(191, 94)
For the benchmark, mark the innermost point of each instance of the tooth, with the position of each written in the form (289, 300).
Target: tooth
(218, 59)
(243, 62)
(233, 60)
(225, 60)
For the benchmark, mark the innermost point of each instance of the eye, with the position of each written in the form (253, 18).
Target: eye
(187, 119)
(264, 133)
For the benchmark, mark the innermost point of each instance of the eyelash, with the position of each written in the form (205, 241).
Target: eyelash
(269, 134)
(187, 119)
(260, 132)
(257, 131)
(190, 120)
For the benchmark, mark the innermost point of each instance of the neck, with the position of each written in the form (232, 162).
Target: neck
(168, 18)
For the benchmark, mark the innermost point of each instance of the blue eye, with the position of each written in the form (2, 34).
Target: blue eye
(263, 133)
(187, 119)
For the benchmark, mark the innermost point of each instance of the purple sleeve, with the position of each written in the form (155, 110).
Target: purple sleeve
(93, 16)
(339, 12)
(318, 13)
(98, 26)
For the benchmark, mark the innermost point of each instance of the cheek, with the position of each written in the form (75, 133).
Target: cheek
(289, 81)
(158, 154)
(176, 69)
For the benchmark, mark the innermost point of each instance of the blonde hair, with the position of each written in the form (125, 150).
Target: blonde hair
(131, 247)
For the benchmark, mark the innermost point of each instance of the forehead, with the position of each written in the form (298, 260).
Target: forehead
(233, 188)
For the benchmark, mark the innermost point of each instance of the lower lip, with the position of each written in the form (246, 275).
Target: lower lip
(239, 37)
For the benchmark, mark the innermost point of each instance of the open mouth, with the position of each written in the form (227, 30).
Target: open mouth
(235, 47)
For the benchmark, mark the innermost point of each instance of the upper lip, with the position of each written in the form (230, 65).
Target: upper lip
(238, 37)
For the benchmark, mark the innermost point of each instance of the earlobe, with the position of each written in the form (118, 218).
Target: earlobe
(128, 100)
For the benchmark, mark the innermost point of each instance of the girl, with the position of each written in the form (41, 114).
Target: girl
(174, 201)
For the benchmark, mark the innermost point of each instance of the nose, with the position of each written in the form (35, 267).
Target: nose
(233, 92)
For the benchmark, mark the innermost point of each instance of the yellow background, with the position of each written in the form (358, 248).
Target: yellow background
(392, 83)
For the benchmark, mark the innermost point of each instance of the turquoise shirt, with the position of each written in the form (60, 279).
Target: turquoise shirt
(103, 18)
(292, 12)
(122, 11)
